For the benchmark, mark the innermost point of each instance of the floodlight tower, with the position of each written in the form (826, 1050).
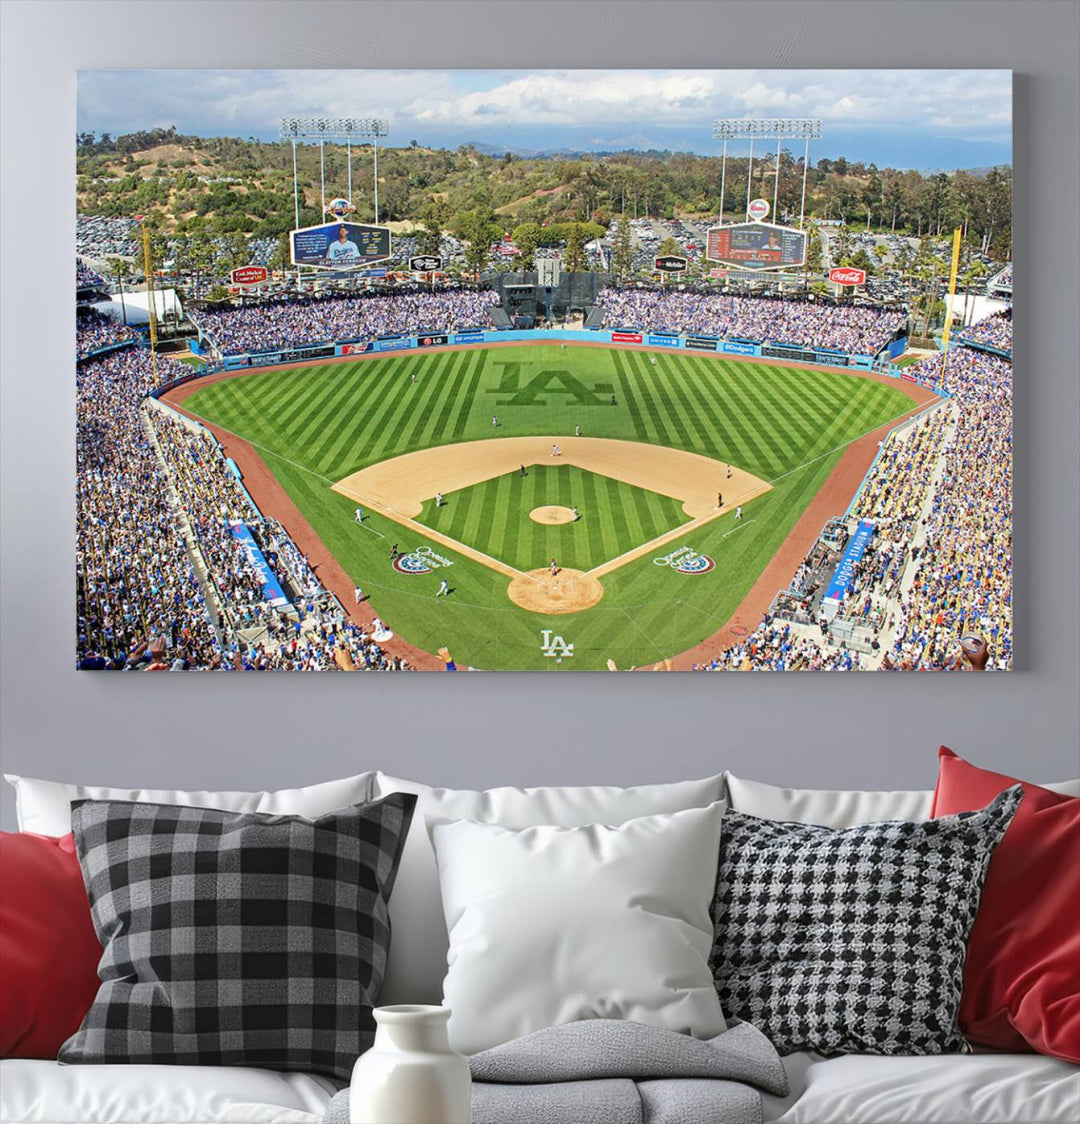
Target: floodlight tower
(323, 129)
(765, 128)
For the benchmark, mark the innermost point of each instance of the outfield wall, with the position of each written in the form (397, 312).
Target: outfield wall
(680, 342)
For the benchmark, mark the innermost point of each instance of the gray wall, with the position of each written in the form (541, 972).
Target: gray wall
(245, 731)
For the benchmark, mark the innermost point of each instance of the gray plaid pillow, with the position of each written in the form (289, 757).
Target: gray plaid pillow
(853, 941)
(236, 939)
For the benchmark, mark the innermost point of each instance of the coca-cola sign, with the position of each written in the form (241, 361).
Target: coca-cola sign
(845, 275)
(249, 275)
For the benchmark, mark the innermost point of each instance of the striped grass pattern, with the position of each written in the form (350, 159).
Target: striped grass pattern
(789, 426)
(494, 517)
(337, 418)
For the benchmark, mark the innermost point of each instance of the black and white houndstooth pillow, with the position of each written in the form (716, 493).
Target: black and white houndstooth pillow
(236, 939)
(851, 941)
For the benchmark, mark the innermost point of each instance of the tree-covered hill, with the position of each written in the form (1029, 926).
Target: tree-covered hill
(222, 185)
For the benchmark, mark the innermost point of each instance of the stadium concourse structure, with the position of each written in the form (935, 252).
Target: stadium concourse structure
(180, 568)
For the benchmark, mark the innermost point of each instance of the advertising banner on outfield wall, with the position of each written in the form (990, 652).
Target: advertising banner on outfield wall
(795, 354)
(441, 339)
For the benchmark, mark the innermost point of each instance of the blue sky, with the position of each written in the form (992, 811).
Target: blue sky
(903, 118)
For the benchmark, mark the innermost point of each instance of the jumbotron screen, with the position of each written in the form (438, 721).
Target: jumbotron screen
(756, 245)
(340, 245)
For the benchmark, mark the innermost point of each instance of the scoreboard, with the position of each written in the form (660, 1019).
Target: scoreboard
(339, 245)
(756, 245)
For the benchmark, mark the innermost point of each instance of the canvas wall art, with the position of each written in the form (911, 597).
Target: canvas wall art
(551, 371)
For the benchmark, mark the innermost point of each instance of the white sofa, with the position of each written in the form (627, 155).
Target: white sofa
(969, 1089)
(980, 1089)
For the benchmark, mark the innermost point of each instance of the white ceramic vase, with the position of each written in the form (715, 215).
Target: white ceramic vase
(410, 1075)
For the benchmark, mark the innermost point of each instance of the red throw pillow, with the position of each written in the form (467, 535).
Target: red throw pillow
(1022, 975)
(48, 950)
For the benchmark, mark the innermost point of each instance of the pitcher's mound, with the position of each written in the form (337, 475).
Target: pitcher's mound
(569, 591)
(551, 513)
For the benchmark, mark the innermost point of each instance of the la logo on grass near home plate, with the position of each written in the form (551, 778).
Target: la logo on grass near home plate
(422, 560)
(554, 645)
(686, 560)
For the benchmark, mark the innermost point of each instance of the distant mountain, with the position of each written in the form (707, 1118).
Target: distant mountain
(531, 153)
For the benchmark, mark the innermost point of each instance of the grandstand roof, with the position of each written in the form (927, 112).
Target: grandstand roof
(137, 306)
(976, 308)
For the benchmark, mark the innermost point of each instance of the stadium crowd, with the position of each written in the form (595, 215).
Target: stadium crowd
(93, 331)
(285, 324)
(963, 582)
(141, 605)
(775, 645)
(859, 330)
(995, 331)
(87, 278)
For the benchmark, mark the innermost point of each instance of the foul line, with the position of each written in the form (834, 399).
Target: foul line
(254, 444)
(837, 448)
(741, 523)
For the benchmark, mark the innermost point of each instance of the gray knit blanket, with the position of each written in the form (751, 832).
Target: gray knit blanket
(606, 1071)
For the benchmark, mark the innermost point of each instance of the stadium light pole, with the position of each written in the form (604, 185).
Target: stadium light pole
(782, 128)
(723, 176)
(749, 176)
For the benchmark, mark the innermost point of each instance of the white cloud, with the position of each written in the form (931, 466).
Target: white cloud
(245, 102)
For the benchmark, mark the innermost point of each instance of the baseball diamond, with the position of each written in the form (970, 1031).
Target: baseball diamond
(669, 445)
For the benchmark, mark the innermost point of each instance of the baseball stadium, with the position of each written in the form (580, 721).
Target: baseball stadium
(433, 463)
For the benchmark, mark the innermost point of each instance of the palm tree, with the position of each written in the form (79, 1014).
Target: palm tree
(121, 268)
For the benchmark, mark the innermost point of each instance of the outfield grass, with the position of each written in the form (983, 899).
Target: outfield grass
(494, 517)
(314, 426)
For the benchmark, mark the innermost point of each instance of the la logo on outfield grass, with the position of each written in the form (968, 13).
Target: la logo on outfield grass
(554, 645)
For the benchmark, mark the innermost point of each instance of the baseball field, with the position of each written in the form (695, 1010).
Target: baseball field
(541, 507)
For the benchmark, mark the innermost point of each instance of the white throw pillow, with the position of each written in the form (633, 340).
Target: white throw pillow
(44, 807)
(551, 925)
(418, 942)
(839, 808)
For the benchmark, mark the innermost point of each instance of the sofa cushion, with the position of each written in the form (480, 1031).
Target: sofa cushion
(551, 925)
(42, 1092)
(839, 808)
(44, 807)
(1022, 976)
(236, 939)
(417, 965)
(48, 950)
(953, 1089)
(851, 941)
